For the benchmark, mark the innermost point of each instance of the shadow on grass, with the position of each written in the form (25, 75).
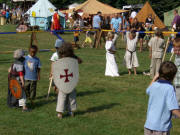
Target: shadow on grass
(85, 93)
(42, 103)
(97, 108)
(45, 96)
(132, 72)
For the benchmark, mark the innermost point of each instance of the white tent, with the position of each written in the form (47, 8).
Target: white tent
(41, 13)
(43, 8)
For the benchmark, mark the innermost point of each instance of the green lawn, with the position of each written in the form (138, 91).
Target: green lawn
(106, 106)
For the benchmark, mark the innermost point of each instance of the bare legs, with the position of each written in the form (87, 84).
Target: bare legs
(129, 71)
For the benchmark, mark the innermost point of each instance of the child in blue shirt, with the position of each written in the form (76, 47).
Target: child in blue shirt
(162, 101)
(32, 67)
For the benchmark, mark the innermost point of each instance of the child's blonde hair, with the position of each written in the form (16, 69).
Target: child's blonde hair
(110, 35)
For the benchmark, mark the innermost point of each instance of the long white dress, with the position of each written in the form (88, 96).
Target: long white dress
(111, 66)
(130, 57)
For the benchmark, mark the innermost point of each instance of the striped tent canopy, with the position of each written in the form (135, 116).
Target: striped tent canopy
(93, 6)
(145, 12)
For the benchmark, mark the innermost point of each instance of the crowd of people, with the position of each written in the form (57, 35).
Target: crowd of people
(12, 16)
(117, 23)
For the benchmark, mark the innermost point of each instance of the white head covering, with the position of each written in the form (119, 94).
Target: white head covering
(58, 43)
(18, 53)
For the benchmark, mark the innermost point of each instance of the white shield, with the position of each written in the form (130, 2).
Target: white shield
(65, 73)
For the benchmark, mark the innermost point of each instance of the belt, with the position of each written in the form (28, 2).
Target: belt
(131, 52)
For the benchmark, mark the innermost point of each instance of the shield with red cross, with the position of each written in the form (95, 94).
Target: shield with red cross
(65, 73)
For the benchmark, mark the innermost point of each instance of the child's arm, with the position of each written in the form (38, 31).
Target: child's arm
(127, 35)
(38, 72)
(150, 52)
(39, 69)
(137, 35)
(112, 51)
(154, 79)
(176, 112)
(22, 80)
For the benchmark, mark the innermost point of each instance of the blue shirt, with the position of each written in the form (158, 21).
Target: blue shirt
(116, 22)
(162, 100)
(7, 14)
(96, 21)
(31, 65)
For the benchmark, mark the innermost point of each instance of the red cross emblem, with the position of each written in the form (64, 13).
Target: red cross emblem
(66, 75)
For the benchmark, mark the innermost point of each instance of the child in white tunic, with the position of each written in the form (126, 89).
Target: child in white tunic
(130, 57)
(67, 102)
(111, 66)
(54, 58)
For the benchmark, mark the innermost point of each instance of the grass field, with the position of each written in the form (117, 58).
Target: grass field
(106, 106)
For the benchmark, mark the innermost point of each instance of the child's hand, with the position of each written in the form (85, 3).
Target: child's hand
(9, 70)
(23, 85)
(79, 61)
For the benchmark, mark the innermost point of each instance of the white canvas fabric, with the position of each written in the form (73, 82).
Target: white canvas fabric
(43, 8)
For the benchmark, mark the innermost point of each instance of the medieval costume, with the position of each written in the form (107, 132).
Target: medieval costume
(130, 56)
(56, 21)
(17, 72)
(111, 66)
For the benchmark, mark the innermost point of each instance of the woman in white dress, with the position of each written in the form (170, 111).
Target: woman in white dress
(111, 66)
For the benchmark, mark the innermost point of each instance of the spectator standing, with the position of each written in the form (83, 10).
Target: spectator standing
(7, 17)
(96, 25)
(176, 20)
(116, 27)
